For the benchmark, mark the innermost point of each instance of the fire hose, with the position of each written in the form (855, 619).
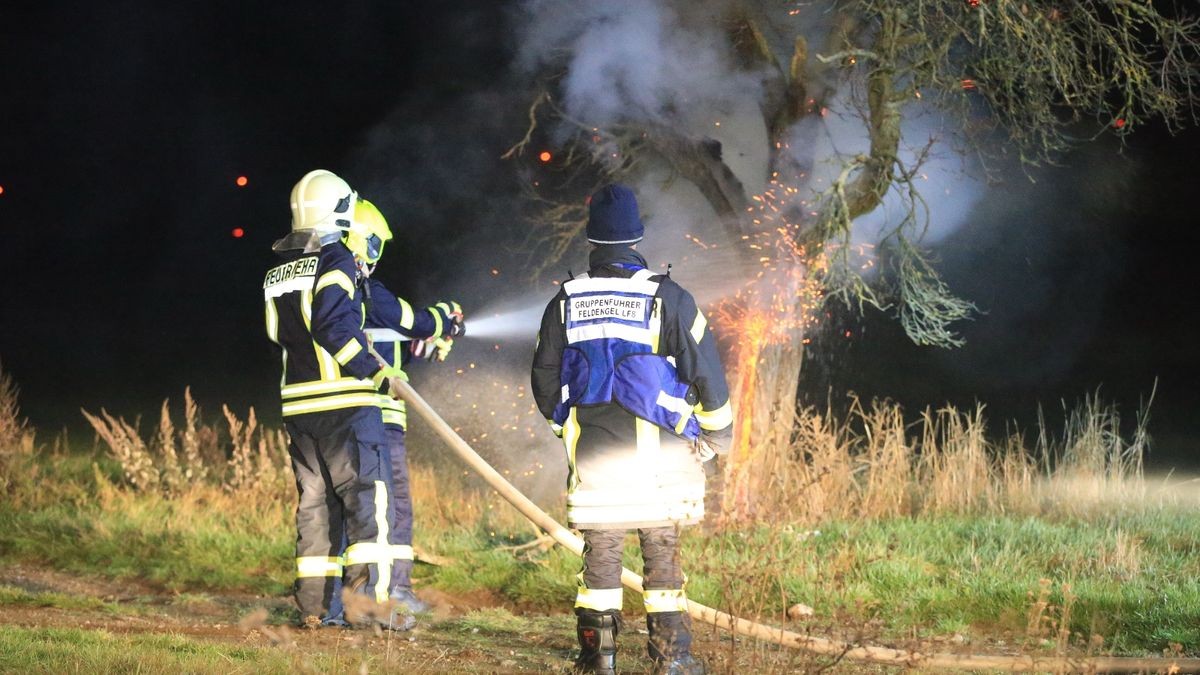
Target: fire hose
(815, 645)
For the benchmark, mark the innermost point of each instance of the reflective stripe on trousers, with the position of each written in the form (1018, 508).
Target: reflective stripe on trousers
(600, 578)
(347, 446)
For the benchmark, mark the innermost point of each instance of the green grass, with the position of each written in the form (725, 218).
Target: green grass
(1133, 574)
(1131, 583)
(19, 597)
(55, 650)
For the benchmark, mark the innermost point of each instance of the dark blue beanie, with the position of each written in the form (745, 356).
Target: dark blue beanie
(613, 216)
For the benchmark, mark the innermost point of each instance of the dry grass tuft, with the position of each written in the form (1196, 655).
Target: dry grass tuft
(16, 436)
(243, 458)
(874, 464)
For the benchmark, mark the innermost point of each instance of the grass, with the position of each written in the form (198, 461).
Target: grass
(58, 650)
(1069, 547)
(11, 596)
(956, 574)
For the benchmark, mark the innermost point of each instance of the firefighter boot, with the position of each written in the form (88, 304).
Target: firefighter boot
(597, 633)
(670, 644)
(401, 592)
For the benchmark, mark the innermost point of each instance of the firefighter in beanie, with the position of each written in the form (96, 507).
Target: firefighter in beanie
(627, 373)
(330, 390)
(430, 333)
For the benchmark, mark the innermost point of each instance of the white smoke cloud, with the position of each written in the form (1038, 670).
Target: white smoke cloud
(634, 60)
(668, 62)
(949, 184)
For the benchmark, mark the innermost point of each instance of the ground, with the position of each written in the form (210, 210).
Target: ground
(53, 621)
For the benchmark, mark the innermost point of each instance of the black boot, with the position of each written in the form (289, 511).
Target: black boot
(597, 633)
(670, 645)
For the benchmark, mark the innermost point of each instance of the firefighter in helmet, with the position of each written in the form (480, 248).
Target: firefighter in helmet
(430, 333)
(627, 373)
(330, 391)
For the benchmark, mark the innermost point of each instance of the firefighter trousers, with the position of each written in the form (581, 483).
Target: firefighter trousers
(663, 597)
(400, 533)
(343, 480)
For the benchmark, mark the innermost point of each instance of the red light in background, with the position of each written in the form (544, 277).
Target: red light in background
(1119, 122)
(1, 189)
(545, 156)
(238, 233)
(241, 181)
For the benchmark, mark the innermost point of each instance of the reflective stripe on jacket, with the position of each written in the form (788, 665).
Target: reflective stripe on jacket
(313, 313)
(638, 344)
(385, 310)
(613, 327)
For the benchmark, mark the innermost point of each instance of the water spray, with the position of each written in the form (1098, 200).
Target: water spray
(815, 645)
(510, 322)
(497, 325)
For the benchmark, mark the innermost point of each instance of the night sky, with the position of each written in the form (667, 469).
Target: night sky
(126, 124)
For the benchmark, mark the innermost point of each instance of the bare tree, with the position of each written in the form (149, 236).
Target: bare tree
(1023, 80)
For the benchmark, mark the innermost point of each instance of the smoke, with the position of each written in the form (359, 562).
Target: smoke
(634, 59)
(666, 62)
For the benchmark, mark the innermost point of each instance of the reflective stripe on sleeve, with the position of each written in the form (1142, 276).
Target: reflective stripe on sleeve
(407, 318)
(698, 326)
(402, 552)
(437, 321)
(664, 600)
(318, 566)
(716, 420)
(352, 348)
(335, 278)
(676, 405)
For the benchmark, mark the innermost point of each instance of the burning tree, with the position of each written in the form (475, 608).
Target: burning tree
(631, 90)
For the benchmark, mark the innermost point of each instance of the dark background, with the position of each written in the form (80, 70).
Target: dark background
(125, 126)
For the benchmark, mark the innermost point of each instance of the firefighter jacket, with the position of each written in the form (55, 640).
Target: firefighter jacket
(627, 372)
(389, 319)
(314, 313)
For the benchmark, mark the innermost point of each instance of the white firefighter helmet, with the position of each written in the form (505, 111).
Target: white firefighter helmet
(323, 202)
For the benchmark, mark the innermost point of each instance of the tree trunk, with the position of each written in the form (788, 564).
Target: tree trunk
(764, 397)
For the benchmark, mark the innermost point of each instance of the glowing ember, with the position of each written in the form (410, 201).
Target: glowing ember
(968, 84)
(545, 156)
(1119, 122)
(1, 189)
(238, 233)
(242, 181)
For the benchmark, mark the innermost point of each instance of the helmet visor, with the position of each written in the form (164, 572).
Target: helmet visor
(374, 247)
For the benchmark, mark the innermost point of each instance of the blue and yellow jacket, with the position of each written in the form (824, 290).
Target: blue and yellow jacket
(386, 311)
(314, 314)
(627, 372)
